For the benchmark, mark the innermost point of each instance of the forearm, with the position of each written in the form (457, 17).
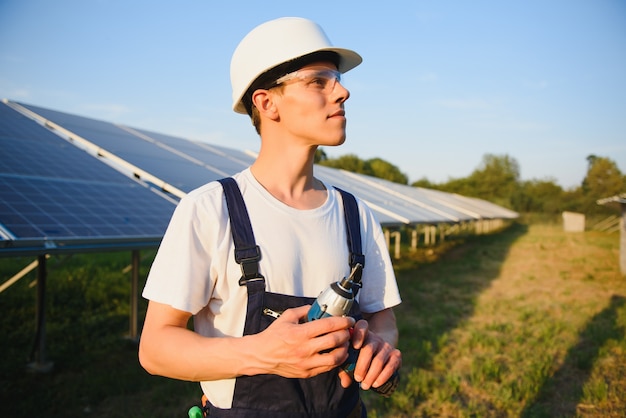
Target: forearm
(172, 350)
(288, 348)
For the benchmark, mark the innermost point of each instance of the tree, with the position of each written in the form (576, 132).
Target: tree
(464, 186)
(385, 170)
(376, 167)
(496, 180)
(603, 179)
(424, 183)
(349, 162)
(540, 196)
(320, 155)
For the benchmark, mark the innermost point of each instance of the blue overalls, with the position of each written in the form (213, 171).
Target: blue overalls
(272, 396)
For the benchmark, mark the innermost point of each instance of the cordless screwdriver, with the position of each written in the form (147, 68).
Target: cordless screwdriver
(336, 300)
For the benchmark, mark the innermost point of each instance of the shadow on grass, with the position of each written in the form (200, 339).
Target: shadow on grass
(560, 395)
(440, 295)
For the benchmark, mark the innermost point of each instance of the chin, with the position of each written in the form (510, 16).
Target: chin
(340, 140)
(334, 143)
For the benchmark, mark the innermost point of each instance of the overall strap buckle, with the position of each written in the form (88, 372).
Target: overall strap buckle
(248, 259)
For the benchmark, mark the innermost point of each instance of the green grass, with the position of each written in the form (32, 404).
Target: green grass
(529, 322)
(96, 371)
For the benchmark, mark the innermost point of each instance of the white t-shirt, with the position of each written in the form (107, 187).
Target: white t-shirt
(302, 252)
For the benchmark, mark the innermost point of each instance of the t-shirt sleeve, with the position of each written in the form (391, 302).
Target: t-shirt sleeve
(380, 289)
(181, 275)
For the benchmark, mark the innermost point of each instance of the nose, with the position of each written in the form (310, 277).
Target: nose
(340, 92)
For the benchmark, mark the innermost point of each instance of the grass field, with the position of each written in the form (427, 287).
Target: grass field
(529, 322)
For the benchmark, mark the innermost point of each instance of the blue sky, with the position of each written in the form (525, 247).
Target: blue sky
(442, 83)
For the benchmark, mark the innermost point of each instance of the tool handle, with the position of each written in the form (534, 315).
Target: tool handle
(389, 387)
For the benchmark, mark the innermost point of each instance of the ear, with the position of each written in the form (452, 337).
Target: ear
(264, 102)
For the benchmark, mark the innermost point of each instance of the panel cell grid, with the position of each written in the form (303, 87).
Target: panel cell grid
(51, 189)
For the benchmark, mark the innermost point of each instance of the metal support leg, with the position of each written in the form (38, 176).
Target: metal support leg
(134, 296)
(38, 355)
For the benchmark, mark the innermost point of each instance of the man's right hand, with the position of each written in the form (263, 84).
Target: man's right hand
(292, 348)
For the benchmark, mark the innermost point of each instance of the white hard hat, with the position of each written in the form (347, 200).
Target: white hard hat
(276, 42)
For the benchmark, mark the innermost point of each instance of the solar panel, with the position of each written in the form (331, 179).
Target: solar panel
(184, 164)
(52, 192)
(486, 209)
(440, 203)
(61, 208)
(392, 207)
(228, 160)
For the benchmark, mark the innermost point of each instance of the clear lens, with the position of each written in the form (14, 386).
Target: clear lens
(323, 80)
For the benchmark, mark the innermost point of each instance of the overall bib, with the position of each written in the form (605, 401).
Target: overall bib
(272, 396)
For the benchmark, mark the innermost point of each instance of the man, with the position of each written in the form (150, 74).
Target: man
(285, 74)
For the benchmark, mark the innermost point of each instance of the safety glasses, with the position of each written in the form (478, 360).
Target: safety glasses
(323, 80)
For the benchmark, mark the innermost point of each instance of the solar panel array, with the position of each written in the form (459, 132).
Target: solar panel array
(55, 196)
(415, 204)
(50, 187)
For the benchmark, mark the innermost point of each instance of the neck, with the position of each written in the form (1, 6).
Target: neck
(286, 172)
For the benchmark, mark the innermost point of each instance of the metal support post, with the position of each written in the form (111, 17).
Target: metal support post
(38, 354)
(134, 296)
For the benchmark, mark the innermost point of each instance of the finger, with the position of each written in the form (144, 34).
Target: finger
(316, 362)
(329, 324)
(326, 361)
(333, 340)
(359, 333)
(370, 377)
(382, 368)
(367, 352)
(295, 314)
(373, 357)
(385, 377)
(345, 379)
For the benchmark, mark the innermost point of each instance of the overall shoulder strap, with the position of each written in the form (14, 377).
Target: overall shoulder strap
(353, 228)
(247, 253)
